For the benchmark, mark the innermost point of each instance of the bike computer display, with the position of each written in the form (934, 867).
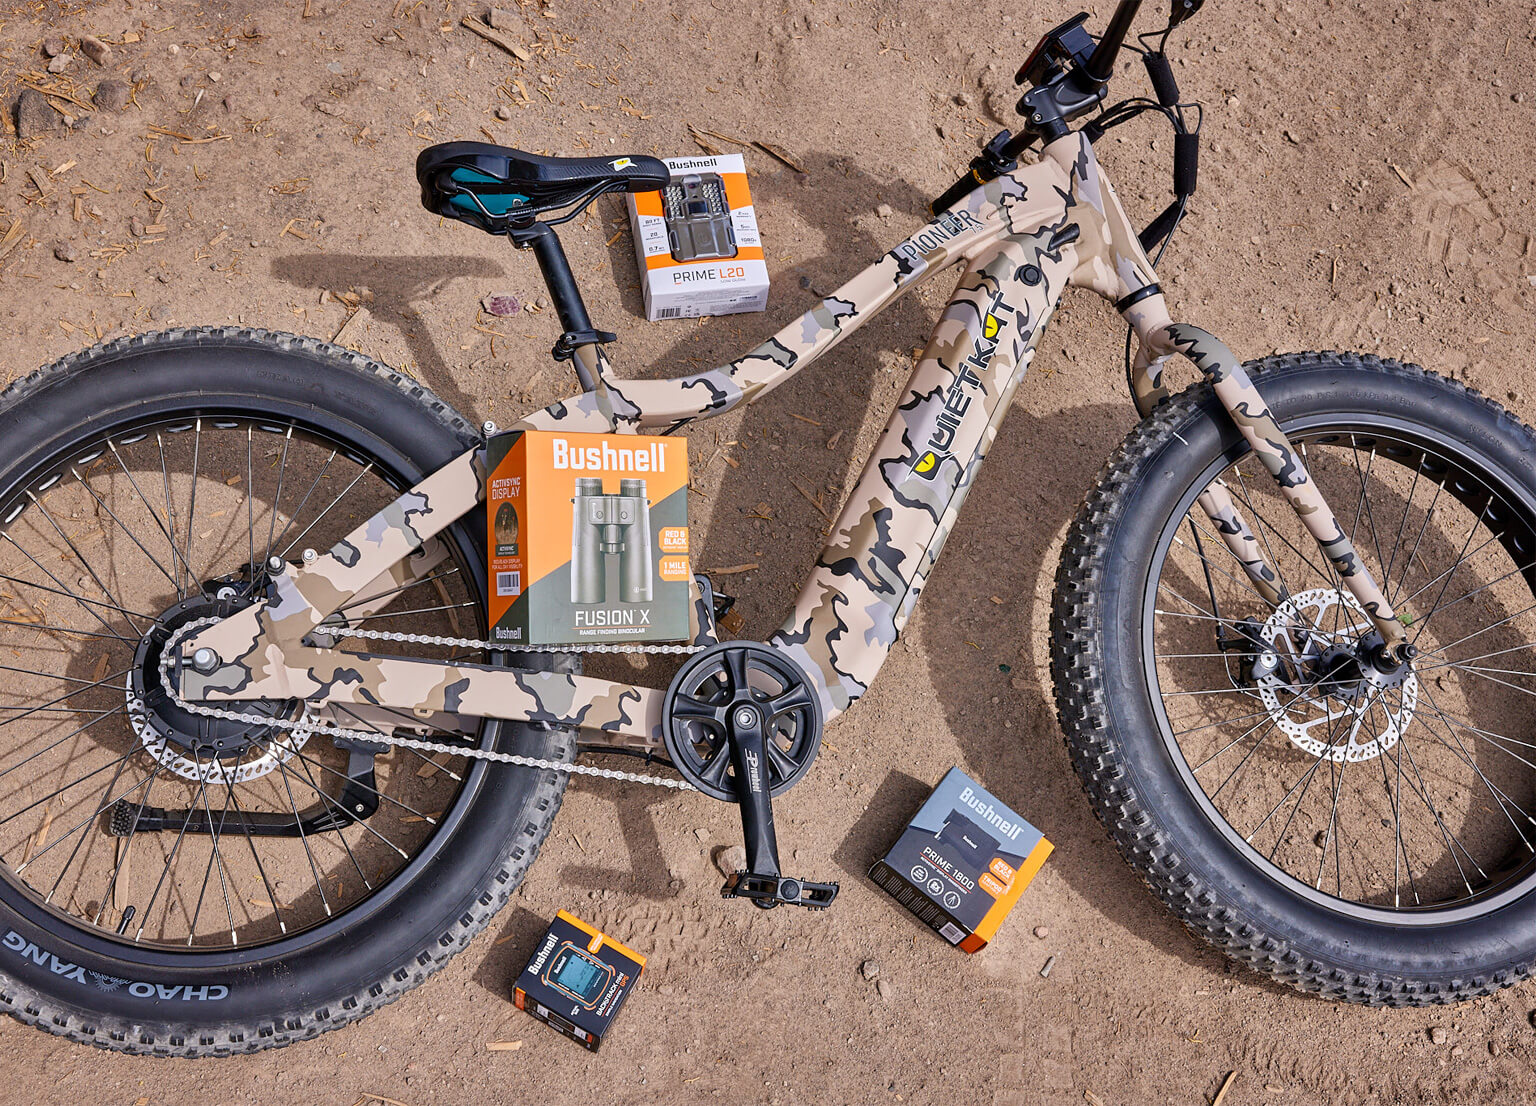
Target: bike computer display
(581, 976)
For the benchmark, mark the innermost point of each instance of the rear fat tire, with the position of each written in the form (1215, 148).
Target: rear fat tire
(75, 983)
(1114, 737)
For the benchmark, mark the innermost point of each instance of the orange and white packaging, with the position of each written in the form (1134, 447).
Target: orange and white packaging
(697, 241)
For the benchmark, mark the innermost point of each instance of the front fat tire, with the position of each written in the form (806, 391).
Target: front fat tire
(47, 966)
(1114, 737)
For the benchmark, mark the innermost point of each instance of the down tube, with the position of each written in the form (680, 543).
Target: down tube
(893, 527)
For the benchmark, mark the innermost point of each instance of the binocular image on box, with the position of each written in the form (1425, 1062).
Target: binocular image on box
(604, 526)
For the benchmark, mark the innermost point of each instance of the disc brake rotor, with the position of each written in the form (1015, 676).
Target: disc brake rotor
(1343, 720)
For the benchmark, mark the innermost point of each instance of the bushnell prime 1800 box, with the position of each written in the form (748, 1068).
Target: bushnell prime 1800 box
(577, 980)
(962, 862)
(697, 241)
(588, 538)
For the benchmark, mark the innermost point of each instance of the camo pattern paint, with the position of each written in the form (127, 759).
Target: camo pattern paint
(1253, 418)
(1023, 239)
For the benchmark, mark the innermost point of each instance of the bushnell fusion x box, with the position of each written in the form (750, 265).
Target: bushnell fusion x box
(588, 538)
(962, 862)
(577, 980)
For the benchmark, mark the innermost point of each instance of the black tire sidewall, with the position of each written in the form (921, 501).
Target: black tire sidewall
(385, 936)
(1295, 929)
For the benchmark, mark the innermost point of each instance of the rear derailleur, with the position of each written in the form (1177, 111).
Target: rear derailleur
(742, 724)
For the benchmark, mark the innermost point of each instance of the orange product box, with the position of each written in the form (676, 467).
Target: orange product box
(697, 241)
(587, 538)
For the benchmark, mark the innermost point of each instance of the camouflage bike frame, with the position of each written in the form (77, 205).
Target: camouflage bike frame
(1023, 239)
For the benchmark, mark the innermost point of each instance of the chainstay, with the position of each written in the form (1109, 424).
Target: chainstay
(420, 744)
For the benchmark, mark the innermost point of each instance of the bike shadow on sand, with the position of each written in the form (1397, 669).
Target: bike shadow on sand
(399, 285)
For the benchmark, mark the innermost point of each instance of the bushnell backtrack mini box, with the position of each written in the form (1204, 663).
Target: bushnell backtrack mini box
(588, 538)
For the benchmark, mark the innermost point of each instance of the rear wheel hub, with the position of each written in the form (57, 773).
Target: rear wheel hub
(194, 746)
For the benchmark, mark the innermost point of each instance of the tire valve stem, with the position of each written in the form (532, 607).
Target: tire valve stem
(122, 926)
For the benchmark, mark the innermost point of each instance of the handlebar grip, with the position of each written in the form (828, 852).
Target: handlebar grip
(1186, 164)
(1101, 66)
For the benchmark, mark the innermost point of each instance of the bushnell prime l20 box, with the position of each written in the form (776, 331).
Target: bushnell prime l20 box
(697, 241)
(962, 862)
(577, 980)
(587, 538)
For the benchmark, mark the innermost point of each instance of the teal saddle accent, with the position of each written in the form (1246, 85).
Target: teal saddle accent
(493, 187)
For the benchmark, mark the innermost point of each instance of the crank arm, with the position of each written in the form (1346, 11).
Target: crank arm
(762, 882)
(359, 800)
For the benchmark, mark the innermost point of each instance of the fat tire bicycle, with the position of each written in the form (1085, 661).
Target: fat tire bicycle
(260, 772)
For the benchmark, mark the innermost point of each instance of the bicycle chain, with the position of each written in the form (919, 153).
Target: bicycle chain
(379, 737)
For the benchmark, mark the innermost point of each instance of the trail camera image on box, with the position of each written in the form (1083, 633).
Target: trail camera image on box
(604, 526)
(698, 218)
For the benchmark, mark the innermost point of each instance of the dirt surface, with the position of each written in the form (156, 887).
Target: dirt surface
(1366, 184)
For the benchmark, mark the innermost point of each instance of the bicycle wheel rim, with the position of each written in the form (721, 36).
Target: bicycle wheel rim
(1464, 477)
(398, 472)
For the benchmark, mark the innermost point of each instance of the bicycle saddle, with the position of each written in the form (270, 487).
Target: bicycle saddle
(492, 186)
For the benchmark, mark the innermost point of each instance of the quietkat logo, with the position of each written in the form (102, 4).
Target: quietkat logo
(27, 950)
(958, 396)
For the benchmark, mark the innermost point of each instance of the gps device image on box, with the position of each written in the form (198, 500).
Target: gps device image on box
(577, 980)
(698, 218)
(962, 862)
(578, 974)
(588, 538)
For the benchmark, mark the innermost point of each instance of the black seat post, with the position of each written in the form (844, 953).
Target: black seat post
(566, 297)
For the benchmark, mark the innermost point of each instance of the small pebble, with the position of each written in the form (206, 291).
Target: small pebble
(883, 986)
(884, 211)
(215, 76)
(1045, 969)
(1518, 97)
(501, 305)
(1438, 1035)
(65, 252)
(1042, 932)
(731, 860)
(503, 112)
(53, 46)
(136, 226)
(963, 99)
(60, 63)
(869, 970)
(1457, 1051)
(1494, 1048)
(95, 49)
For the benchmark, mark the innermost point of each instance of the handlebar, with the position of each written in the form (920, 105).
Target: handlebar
(1101, 66)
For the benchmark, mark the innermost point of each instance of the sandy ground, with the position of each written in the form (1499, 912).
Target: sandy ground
(1366, 185)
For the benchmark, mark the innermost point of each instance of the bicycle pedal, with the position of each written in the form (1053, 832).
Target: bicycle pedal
(769, 891)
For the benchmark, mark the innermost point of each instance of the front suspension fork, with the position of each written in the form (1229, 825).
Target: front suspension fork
(1237, 394)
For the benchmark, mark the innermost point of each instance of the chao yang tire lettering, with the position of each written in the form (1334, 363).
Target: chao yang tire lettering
(199, 454)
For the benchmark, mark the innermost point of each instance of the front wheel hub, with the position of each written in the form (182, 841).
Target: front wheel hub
(1352, 700)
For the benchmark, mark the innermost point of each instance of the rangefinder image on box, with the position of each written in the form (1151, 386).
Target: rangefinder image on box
(962, 862)
(577, 980)
(588, 538)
